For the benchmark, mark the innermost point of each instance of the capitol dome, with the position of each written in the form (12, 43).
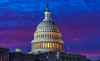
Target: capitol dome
(47, 36)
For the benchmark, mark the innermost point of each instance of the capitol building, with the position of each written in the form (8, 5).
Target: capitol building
(47, 36)
(47, 45)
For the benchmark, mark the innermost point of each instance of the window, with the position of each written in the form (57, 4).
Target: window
(58, 46)
(48, 45)
(41, 45)
(51, 45)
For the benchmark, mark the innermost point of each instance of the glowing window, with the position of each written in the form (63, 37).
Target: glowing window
(41, 45)
(57, 46)
(46, 45)
(50, 45)
(53, 45)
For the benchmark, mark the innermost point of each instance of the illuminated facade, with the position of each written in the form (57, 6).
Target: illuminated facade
(47, 36)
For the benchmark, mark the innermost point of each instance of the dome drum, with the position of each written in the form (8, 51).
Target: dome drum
(56, 46)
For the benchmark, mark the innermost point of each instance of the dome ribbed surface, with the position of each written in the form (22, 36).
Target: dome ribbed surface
(47, 31)
(47, 26)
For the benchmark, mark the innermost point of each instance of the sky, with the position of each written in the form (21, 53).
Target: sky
(78, 21)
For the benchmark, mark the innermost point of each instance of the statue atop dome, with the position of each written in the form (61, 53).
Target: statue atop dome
(47, 12)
